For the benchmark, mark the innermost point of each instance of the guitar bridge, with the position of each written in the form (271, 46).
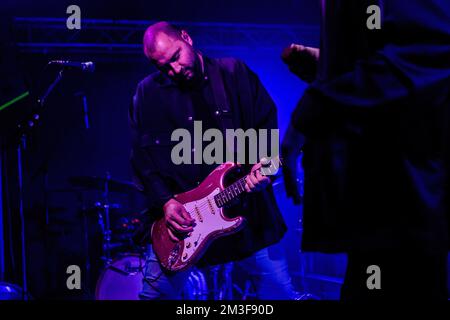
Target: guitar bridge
(173, 255)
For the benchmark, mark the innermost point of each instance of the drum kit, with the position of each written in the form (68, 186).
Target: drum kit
(122, 260)
(107, 228)
(123, 226)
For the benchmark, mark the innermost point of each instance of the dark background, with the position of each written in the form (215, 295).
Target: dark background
(247, 11)
(60, 147)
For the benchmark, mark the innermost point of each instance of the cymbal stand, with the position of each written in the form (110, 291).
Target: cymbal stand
(85, 226)
(105, 222)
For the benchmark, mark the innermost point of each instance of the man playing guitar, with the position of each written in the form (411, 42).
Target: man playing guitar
(181, 92)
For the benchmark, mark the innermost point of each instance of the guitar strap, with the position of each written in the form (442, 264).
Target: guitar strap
(222, 106)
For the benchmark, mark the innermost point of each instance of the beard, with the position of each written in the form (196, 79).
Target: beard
(191, 76)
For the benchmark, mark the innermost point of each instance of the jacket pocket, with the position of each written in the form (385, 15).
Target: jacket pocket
(158, 146)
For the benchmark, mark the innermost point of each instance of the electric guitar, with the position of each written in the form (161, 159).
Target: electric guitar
(206, 205)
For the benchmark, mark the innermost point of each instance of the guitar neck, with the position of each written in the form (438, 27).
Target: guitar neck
(236, 189)
(230, 193)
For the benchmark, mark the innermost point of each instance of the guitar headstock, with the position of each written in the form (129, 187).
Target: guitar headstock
(270, 166)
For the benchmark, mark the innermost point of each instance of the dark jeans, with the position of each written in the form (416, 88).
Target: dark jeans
(269, 274)
(412, 275)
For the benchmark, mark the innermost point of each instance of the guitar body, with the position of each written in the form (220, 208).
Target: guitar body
(211, 223)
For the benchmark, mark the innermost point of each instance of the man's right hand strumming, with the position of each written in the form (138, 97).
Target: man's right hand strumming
(301, 60)
(178, 220)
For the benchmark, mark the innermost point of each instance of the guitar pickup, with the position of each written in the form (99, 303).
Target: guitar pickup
(210, 205)
(199, 215)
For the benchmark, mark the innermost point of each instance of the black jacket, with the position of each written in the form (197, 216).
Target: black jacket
(376, 126)
(160, 106)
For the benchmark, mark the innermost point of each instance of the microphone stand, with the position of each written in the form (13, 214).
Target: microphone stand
(41, 100)
(24, 129)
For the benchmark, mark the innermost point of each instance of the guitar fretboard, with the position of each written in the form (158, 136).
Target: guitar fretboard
(236, 189)
(230, 193)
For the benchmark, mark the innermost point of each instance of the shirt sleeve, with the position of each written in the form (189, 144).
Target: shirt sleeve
(257, 109)
(265, 108)
(264, 115)
(144, 172)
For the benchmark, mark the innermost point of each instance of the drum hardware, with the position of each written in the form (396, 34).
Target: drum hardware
(117, 282)
(127, 270)
(99, 183)
(122, 280)
(106, 185)
(112, 245)
(99, 205)
(103, 208)
(110, 238)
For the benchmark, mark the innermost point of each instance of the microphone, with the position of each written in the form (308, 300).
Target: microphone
(87, 66)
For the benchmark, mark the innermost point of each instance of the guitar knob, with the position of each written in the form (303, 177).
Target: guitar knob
(188, 245)
(185, 256)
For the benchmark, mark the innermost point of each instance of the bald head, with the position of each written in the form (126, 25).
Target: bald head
(170, 50)
(156, 30)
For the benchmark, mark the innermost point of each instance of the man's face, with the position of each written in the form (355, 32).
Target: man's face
(175, 57)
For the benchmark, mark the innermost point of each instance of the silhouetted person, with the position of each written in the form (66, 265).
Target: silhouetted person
(373, 127)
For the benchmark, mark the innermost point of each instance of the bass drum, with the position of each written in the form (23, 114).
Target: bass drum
(122, 280)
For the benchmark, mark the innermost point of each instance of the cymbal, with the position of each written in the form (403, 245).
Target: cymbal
(100, 183)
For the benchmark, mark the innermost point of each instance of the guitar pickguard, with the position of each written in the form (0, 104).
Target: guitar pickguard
(208, 220)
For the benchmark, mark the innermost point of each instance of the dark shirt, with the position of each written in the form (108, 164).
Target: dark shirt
(204, 107)
(160, 106)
